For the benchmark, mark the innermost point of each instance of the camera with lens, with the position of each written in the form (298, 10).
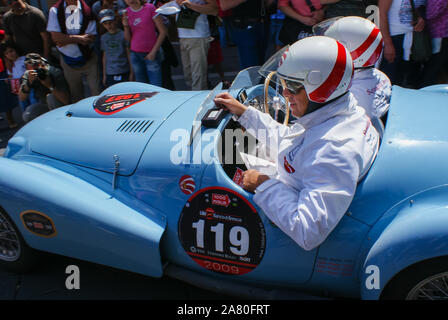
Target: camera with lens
(38, 64)
(42, 73)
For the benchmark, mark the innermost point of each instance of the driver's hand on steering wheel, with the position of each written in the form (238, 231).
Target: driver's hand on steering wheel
(228, 102)
(252, 179)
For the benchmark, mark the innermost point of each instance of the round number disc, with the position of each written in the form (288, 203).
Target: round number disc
(222, 232)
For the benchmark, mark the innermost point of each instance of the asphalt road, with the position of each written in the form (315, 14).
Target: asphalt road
(48, 282)
(99, 282)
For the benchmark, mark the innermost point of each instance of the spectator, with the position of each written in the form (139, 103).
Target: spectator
(116, 54)
(224, 28)
(115, 5)
(16, 65)
(437, 21)
(194, 39)
(169, 55)
(215, 57)
(25, 25)
(73, 29)
(10, 52)
(47, 82)
(248, 30)
(346, 8)
(300, 16)
(145, 30)
(276, 25)
(8, 100)
(397, 26)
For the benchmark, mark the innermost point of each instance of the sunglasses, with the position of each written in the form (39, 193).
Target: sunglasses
(293, 86)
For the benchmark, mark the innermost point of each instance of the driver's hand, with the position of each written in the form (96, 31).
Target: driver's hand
(252, 179)
(230, 103)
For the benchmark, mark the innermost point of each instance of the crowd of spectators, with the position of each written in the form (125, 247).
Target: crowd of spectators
(83, 46)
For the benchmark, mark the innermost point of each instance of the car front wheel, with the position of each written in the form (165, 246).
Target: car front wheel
(15, 254)
(427, 280)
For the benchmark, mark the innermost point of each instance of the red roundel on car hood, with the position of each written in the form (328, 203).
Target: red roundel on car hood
(113, 103)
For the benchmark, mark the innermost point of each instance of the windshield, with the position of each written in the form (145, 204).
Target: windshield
(273, 62)
(246, 78)
(320, 28)
(205, 106)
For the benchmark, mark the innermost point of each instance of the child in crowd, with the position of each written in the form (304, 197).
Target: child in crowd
(8, 100)
(146, 32)
(116, 53)
(17, 63)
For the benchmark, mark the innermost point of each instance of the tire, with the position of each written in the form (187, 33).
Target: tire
(427, 280)
(15, 255)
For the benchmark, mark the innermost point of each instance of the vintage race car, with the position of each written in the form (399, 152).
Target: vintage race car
(145, 179)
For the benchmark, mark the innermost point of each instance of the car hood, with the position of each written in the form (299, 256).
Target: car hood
(96, 131)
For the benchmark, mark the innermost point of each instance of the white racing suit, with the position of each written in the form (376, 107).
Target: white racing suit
(372, 89)
(320, 160)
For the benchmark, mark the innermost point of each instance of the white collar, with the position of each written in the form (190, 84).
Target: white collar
(346, 103)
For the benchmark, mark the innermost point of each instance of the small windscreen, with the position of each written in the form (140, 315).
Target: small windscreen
(205, 106)
(320, 28)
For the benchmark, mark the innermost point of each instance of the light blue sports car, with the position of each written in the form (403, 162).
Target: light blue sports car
(145, 179)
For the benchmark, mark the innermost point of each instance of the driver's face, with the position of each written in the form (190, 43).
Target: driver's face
(297, 102)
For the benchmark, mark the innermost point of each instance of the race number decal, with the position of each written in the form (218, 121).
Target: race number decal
(113, 103)
(222, 232)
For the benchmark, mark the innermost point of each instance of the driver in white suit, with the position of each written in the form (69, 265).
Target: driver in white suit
(323, 155)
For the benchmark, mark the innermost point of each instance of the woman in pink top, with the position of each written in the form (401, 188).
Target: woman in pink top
(301, 15)
(145, 31)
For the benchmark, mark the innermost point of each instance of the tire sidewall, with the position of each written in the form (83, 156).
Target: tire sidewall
(402, 284)
(28, 257)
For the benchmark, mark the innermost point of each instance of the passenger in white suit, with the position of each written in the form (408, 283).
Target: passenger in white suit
(371, 87)
(323, 155)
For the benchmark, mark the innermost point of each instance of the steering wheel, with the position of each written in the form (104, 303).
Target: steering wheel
(266, 96)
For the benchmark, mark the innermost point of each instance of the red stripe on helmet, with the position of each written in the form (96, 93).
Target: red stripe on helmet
(363, 47)
(375, 55)
(327, 88)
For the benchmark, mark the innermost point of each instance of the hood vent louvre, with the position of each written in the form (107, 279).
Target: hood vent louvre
(134, 126)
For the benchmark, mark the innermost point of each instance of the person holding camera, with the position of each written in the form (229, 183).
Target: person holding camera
(48, 84)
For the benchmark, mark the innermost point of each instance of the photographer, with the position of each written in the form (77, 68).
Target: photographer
(48, 84)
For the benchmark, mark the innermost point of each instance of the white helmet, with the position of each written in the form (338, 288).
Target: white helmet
(321, 64)
(360, 36)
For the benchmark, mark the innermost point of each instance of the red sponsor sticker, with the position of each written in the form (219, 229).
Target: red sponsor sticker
(117, 105)
(238, 177)
(187, 184)
(38, 225)
(220, 199)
